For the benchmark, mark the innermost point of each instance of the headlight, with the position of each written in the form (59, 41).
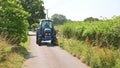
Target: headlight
(47, 33)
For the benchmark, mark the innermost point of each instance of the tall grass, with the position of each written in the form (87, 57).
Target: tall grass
(12, 55)
(95, 57)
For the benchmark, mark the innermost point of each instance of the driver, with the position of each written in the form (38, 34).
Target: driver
(46, 26)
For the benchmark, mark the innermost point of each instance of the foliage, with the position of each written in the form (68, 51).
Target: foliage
(35, 8)
(101, 33)
(34, 26)
(13, 20)
(13, 29)
(91, 19)
(59, 19)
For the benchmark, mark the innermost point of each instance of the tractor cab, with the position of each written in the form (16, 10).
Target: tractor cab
(46, 23)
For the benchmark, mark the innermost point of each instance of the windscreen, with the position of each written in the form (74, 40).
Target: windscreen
(47, 23)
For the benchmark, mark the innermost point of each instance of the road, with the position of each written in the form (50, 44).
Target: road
(47, 56)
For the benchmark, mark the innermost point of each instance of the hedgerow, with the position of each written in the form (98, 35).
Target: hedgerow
(100, 33)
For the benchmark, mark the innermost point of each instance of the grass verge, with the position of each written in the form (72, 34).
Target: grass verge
(12, 56)
(95, 57)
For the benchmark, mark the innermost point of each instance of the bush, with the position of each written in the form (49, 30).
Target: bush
(13, 20)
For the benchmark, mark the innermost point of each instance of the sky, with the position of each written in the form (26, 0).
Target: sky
(80, 9)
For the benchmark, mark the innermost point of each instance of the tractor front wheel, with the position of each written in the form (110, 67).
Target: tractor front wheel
(39, 42)
(55, 41)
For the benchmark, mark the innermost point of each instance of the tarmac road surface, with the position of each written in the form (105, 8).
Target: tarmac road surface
(47, 56)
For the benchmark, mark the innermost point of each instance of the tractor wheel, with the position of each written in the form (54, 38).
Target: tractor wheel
(55, 41)
(37, 39)
(39, 42)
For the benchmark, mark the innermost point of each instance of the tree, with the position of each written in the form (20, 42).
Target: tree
(91, 19)
(58, 18)
(35, 8)
(34, 26)
(13, 20)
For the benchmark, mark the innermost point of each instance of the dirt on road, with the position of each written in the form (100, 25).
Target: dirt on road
(47, 56)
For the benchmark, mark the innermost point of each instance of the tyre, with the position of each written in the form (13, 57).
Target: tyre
(36, 38)
(55, 42)
(39, 43)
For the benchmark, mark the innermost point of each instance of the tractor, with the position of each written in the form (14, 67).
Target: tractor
(46, 32)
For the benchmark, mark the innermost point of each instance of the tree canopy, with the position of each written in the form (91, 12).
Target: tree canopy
(35, 8)
(58, 18)
(91, 19)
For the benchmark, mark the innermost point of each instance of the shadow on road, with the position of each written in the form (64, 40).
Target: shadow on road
(30, 56)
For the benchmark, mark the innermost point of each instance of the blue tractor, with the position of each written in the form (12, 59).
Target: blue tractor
(46, 32)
